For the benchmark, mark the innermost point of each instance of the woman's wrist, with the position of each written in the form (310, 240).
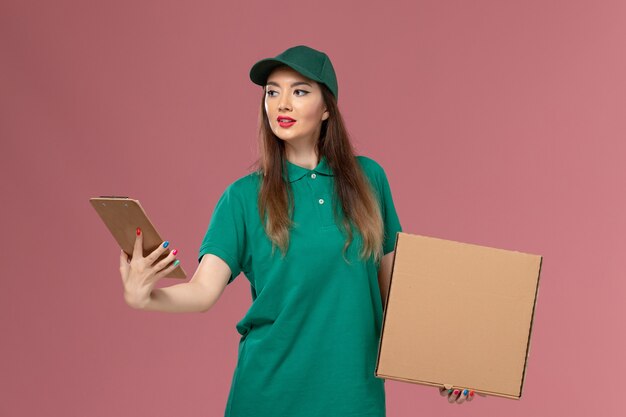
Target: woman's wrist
(137, 301)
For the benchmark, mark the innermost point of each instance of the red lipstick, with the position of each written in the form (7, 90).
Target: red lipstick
(285, 121)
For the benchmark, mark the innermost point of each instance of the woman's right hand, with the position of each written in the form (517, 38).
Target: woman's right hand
(459, 396)
(139, 275)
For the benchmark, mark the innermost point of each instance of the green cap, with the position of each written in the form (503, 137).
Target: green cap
(307, 61)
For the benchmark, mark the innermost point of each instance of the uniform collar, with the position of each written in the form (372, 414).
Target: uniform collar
(295, 172)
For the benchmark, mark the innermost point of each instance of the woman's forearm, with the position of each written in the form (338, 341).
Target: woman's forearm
(188, 297)
(384, 276)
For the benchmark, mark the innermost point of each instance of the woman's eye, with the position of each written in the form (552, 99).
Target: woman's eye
(271, 93)
(304, 92)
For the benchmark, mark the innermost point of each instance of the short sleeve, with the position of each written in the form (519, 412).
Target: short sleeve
(226, 234)
(389, 214)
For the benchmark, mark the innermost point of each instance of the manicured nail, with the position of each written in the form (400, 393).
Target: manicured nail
(465, 392)
(176, 262)
(138, 231)
(450, 391)
(456, 392)
(175, 251)
(166, 244)
(471, 393)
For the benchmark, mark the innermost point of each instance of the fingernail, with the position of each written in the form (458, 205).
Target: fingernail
(465, 392)
(471, 393)
(456, 392)
(166, 244)
(176, 262)
(138, 231)
(450, 391)
(175, 251)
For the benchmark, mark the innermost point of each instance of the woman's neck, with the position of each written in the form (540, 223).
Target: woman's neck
(304, 157)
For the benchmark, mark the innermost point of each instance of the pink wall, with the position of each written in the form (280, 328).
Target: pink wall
(498, 123)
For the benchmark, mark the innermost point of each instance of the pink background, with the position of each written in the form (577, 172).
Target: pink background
(499, 123)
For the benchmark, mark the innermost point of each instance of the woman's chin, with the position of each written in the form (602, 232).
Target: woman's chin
(283, 137)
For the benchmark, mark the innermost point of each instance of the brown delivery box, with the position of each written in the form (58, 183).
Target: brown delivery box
(458, 315)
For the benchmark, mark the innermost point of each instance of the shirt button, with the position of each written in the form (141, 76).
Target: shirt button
(313, 176)
(321, 201)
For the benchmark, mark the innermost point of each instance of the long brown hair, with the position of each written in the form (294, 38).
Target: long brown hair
(357, 200)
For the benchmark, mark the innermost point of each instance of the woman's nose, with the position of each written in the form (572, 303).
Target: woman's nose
(284, 103)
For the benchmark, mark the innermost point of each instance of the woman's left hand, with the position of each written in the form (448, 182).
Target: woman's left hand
(458, 395)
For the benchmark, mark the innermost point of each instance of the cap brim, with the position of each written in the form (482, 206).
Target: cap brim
(262, 69)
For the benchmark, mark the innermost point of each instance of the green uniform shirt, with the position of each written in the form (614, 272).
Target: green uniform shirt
(309, 341)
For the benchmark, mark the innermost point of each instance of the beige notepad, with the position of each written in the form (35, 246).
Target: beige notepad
(122, 216)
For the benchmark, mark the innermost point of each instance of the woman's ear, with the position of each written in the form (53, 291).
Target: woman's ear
(325, 115)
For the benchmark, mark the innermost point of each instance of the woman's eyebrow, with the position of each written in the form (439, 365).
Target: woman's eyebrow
(293, 85)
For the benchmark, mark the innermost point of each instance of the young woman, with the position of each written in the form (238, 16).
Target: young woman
(313, 229)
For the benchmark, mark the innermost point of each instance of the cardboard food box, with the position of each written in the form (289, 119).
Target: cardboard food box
(458, 315)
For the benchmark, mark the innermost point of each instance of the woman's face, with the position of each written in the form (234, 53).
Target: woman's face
(294, 106)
